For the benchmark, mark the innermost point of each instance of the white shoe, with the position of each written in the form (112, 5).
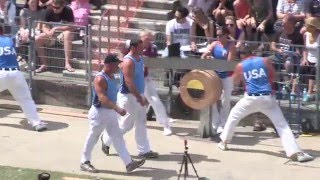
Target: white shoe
(223, 146)
(167, 131)
(172, 120)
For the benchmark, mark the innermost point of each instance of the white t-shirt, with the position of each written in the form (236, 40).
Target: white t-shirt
(313, 49)
(181, 32)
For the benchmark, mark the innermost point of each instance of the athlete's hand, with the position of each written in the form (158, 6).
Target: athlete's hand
(142, 101)
(120, 111)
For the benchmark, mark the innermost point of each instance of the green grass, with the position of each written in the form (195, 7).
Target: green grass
(13, 173)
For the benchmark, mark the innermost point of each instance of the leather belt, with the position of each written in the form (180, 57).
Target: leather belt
(259, 94)
(9, 69)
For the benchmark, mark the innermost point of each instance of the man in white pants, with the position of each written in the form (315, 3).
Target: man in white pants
(131, 98)
(258, 74)
(150, 92)
(13, 80)
(103, 115)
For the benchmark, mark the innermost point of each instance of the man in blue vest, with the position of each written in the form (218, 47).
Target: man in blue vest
(13, 80)
(258, 74)
(103, 115)
(130, 97)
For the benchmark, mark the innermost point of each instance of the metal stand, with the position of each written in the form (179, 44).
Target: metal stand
(186, 158)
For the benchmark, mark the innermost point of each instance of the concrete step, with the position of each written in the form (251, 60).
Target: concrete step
(137, 23)
(82, 64)
(156, 14)
(156, 4)
(77, 74)
(126, 33)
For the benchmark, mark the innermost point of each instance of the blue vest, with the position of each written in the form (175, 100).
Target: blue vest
(8, 55)
(256, 75)
(111, 91)
(138, 76)
(221, 53)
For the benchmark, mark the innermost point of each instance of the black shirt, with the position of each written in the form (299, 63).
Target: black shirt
(285, 40)
(66, 15)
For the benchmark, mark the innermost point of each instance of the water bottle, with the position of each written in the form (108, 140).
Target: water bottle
(284, 92)
(304, 93)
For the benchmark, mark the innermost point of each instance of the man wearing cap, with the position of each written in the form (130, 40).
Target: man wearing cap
(13, 80)
(258, 74)
(131, 98)
(103, 115)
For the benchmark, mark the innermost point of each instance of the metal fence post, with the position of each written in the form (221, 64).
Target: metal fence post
(89, 69)
(317, 124)
(31, 53)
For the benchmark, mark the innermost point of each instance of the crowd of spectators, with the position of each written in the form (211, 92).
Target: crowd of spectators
(278, 27)
(74, 12)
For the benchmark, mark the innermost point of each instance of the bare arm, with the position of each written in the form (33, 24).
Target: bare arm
(237, 74)
(100, 87)
(168, 40)
(209, 50)
(271, 70)
(270, 14)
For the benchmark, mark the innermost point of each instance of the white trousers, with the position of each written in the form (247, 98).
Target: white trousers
(18, 87)
(268, 106)
(104, 119)
(136, 118)
(152, 96)
(219, 116)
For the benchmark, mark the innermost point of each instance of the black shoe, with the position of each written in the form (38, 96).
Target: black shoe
(150, 114)
(87, 166)
(134, 165)
(105, 149)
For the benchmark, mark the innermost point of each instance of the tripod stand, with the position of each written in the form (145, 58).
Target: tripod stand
(186, 158)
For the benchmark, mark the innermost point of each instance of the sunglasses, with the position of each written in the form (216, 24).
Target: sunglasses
(229, 25)
(220, 35)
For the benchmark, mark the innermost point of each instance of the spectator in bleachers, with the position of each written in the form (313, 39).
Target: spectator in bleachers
(281, 44)
(222, 49)
(311, 57)
(236, 33)
(200, 15)
(58, 13)
(221, 9)
(31, 10)
(181, 29)
(7, 11)
(81, 11)
(313, 8)
(261, 19)
(287, 56)
(242, 13)
(298, 8)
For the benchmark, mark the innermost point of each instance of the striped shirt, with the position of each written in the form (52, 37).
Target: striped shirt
(297, 7)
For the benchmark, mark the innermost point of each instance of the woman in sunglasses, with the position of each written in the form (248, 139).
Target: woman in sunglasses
(236, 33)
(222, 49)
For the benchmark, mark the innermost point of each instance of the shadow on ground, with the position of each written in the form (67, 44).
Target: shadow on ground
(196, 158)
(51, 125)
(153, 173)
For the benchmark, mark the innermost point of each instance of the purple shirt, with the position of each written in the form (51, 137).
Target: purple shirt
(151, 51)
